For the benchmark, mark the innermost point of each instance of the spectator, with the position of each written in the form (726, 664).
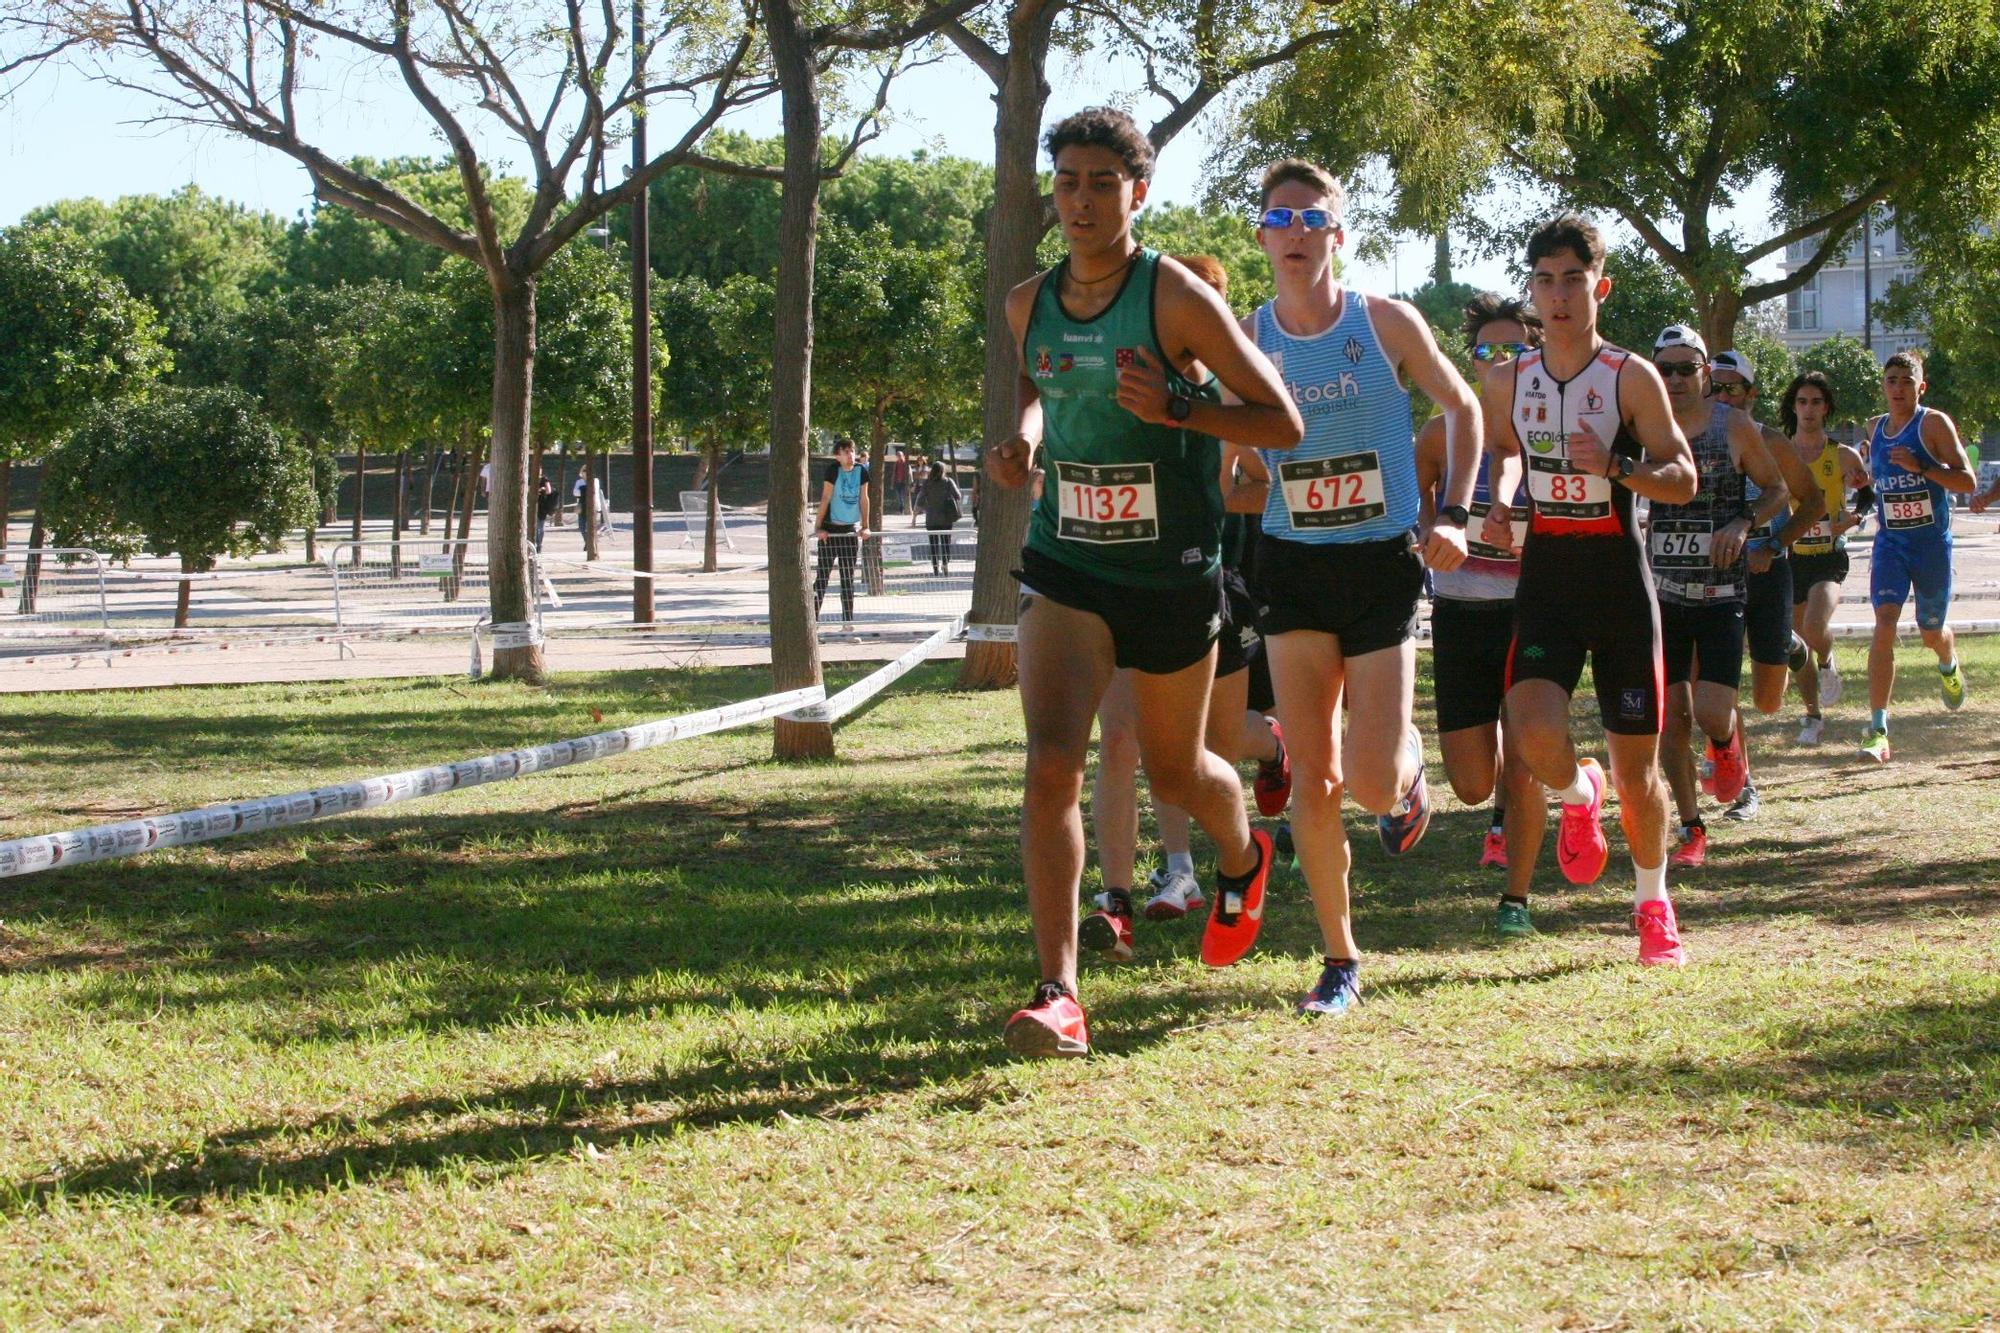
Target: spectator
(546, 504)
(943, 504)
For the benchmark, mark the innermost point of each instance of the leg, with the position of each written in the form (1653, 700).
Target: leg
(823, 558)
(1309, 673)
(1065, 667)
(1538, 723)
(1767, 685)
(1882, 656)
(1642, 797)
(1173, 721)
(1114, 802)
(1526, 818)
(850, 551)
(1818, 646)
(1380, 687)
(1677, 756)
(1472, 761)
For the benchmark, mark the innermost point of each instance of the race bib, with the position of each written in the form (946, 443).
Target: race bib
(1106, 503)
(1478, 549)
(1560, 491)
(1907, 509)
(1818, 539)
(1333, 492)
(1680, 543)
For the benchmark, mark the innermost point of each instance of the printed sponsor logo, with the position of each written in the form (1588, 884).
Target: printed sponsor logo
(1593, 401)
(1533, 652)
(1632, 704)
(1191, 556)
(1045, 365)
(1352, 351)
(1065, 363)
(1083, 337)
(1126, 356)
(1334, 390)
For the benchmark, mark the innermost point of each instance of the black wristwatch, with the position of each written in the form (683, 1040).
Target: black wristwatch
(1622, 467)
(1457, 514)
(1179, 405)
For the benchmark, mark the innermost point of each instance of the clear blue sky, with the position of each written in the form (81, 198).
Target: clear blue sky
(64, 136)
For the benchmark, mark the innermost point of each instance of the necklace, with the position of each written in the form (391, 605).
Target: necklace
(1070, 274)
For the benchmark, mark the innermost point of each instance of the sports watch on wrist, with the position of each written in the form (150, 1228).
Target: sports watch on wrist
(1622, 468)
(1179, 405)
(1458, 514)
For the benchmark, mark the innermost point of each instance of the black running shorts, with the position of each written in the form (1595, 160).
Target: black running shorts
(1469, 642)
(1592, 598)
(1363, 593)
(1703, 643)
(1239, 626)
(1809, 571)
(1767, 614)
(1155, 630)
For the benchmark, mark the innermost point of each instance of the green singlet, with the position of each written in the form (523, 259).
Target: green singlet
(1122, 500)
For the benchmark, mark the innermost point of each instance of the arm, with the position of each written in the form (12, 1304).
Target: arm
(1503, 453)
(1194, 323)
(1430, 472)
(1010, 462)
(1416, 356)
(1985, 498)
(1666, 471)
(861, 530)
(1954, 470)
(1246, 482)
(1755, 461)
(1808, 501)
(825, 499)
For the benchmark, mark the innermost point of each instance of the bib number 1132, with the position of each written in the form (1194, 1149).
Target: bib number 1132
(1106, 503)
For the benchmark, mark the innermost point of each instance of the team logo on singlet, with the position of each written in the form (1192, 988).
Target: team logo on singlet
(1045, 365)
(1352, 351)
(1066, 364)
(1126, 356)
(1593, 401)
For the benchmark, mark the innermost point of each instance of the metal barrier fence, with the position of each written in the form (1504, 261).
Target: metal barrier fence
(694, 520)
(418, 580)
(53, 593)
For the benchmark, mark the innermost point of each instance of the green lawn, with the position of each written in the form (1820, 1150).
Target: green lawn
(689, 1038)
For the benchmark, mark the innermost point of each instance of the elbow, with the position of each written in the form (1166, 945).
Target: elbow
(1686, 483)
(1291, 430)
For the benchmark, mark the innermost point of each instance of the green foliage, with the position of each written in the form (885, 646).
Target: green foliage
(583, 347)
(896, 331)
(287, 350)
(1954, 297)
(416, 362)
(70, 336)
(194, 472)
(720, 380)
(1853, 372)
(1774, 370)
(1225, 235)
(1646, 296)
(191, 256)
(334, 246)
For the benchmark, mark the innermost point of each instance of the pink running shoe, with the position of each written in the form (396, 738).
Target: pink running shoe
(1494, 853)
(1581, 850)
(1693, 851)
(1052, 1025)
(1732, 770)
(1659, 935)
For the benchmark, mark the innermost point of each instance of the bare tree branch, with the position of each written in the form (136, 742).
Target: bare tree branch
(976, 49)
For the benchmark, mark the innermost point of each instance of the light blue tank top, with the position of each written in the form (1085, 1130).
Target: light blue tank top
(1354, 476)
(1908, 508)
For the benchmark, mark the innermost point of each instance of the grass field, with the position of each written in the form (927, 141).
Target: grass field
(688, 1038)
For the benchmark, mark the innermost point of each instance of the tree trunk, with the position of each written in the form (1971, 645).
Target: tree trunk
(1013, 228)
(457, 485)
(6, 503)
(1441, 262)
(510, 597)
(433, 459)
(1719, 312)
(32, 574)
(360, 496)
(181, 597)
(401, 517)
(872, 554)
(712, 461)
(587, 510)
(794, 638)
(474, 458)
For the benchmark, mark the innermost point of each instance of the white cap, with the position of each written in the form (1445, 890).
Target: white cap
(1737, 362)
(1680, 335)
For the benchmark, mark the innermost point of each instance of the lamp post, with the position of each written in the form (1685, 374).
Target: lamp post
(642, 342)
(1867, 283)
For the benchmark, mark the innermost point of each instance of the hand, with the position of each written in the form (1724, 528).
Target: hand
(1142, 389)
(1981, 502)
(1905, 459)
(1498, 529)
(1588, 452)
(819, 534)
(1008, 463)
(1845, 521)
(1444, 548)
(1758, 561)
(1726, 547)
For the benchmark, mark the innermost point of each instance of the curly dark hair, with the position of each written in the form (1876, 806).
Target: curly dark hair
(1491, 307)
(1568, 231)
(1788, 412)
(1104, 127)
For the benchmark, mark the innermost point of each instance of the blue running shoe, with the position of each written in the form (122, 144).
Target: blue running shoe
(1338, 991)
(1403, 827)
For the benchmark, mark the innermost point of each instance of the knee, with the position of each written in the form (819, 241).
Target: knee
(1636, 781)
(1118, 751)
(1174, 782)
(1316, 785)
(1054, 773)
(1472, 788)
(1518, 780)
(1716, 719)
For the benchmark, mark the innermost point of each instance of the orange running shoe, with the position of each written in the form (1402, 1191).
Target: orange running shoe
(1693, 851)
(1659, 935)
(1273, 786)
(1052, 1025)
(1581, 850)
(1494, 853)
(1732, 770)
(1237, 914)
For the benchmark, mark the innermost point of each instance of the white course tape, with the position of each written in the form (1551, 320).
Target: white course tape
(861, 691)
(516, 634)
(25, 856)
(989, 633)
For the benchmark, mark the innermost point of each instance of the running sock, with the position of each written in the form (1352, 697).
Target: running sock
(1948, 669)
(1240, 883)
(1879, 719)
(1578, 792)
(1518, 899)
(1499, 824)
(1652, 886)
(1180, 863)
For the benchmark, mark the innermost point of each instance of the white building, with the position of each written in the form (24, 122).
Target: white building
(1832, 300)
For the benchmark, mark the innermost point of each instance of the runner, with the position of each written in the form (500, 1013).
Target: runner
(1472, 624)
(1121, 567)
(1775, 651)
(1597, 430)
(1237, 730)
(1819, 559)
(1696, 551)
(1914, 458)
(1337, 574)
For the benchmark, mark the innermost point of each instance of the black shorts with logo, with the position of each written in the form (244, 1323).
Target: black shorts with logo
(1703, 643)
(1363, 593)
(1155, 630)
(1239, 626)
(1469, 643)
(1809, 571)
(1767, 613)
(1591, 597)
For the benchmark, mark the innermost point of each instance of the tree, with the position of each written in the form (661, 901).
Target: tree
(555, 91)
(333, 246)
(1845, 105)
(1224, 234)
(717, 390)
(193, 257)
(71, 336)
(194, 472)
(1646, 296)
(1954, 294)
(1853, 372)
(1773, 361)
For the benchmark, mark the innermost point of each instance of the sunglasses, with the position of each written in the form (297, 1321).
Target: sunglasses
(1498, 351)
(1729, 386)
(1316, 219)
(1683, 369)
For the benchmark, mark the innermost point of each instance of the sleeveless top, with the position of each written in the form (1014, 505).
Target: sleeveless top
(844, 507)
(1679, 535)
(1562, 502)
(1488, 574)
(1354, 476)
(1828, 475)
(1123, 500)
(1907, 507)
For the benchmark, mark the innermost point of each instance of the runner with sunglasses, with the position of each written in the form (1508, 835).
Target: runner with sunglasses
(1472, 624)
(1594, 427)
(1819, 558)
(1776, 651)
(1121, 565)
(1696, 550)
(1337, 574)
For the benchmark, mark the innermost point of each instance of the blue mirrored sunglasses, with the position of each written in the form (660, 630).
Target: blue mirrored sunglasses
(1498, 351)
(1316, 219)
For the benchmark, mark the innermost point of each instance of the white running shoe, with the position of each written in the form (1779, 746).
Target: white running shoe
(1829, 684)
(1812, 731)
(1174, 896)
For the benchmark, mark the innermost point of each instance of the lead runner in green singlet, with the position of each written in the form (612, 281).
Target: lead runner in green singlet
(1120, 568)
